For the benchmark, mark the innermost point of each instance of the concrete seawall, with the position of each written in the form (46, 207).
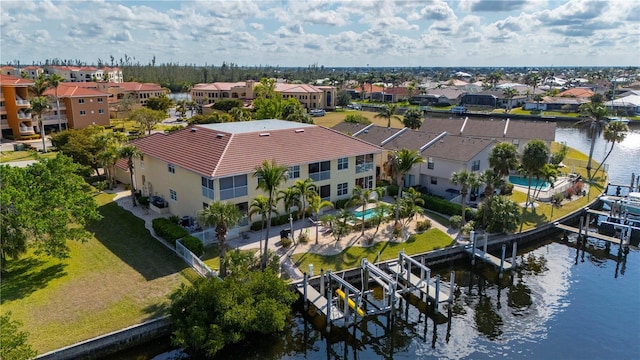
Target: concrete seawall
(104, 345)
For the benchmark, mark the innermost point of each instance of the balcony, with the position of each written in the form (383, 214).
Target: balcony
(25, 129)
(21, 102)
(360, 168)
(23, 115)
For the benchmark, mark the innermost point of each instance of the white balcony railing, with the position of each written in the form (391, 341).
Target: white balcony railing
(24, 116)
(22, 102)
(360, 168)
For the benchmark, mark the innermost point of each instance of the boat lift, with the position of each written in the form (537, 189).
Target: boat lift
(370, 271)
(500, 263)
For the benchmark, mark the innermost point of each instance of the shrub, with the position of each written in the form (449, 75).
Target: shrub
(169, 230)
(556, 199)
(442, 206)
(423, 225)
(341, 204)
(285, 242)
(570, 192)
(468, 227)
(357, 118)
(506, 189)
(193, 244)
(577, 188)
(303, 238)
(392, 190)
(455, 221)
(382, 183)
(257, 225)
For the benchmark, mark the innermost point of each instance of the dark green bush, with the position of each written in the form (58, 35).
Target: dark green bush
(285, 242)
(382, 183)
(507, 189)
(392, 190)
(169, 230)
(443, 206)
(193, 244)
(341, 204)
(357, 118)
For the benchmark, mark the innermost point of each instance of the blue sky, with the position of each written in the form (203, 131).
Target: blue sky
(326, 32)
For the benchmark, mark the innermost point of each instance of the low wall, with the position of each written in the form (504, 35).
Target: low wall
(104, 345)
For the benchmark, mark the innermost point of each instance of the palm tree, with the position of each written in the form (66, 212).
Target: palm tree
(316, 204)
(39, 105)
(270, 176)
(509, 93)
(388, 112)
(289, 197)
(54, 81)
(532, 79)
(534, 157)
(594, 122)
(412, 119)
(223, 215)
(39, 86)
(503, 158)
(614, 132)
(361, 197)
(130, 152)
(548, 173)
(304, 189)
(402, 161)
(260, 205)
(467, 180)
(492, 181)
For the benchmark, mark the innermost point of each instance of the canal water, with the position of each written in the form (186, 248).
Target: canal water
(560, 303)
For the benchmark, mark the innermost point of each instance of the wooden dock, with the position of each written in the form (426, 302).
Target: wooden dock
(428, 287)
(598, 212)
(485, 256)
(319, 301)
(588, 233)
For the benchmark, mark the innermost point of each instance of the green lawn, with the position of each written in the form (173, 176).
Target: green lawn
(9, 156)
(351, 257)
(335, 117)
(122, 276)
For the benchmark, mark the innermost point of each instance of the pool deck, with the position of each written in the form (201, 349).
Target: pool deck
(561, 184)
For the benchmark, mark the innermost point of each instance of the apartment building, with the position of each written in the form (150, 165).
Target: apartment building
(79, 107)
(14, 107)
(86, 73)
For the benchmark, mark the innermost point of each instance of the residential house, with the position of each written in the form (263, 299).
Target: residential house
(191, 167)
(580, 92)
(15, 119)
(556, 103)
(627, 105)
(493, 99)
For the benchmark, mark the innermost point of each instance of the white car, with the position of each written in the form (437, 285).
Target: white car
(317, 112)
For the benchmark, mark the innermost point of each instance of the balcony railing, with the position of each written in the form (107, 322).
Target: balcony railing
(54, 117)
(24, 116)
(360, 168)
(22, 102)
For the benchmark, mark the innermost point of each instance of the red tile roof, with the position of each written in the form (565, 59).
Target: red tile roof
(213, 153)
(13, 80)
(296, 88)
(577, 92)
(136, 86)
(68, 90)
(219, 86)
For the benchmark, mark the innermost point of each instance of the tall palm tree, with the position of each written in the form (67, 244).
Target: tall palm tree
(289, 197)
(614, 132)
(260, 205)
(130, 152)
(39, 86)
(361, 197)
(54, 81)
(270, 176)
(316, 204)
(509, 93)
(594, 122)
(402, 161)
(388, 112)
(492, 181)
(503, 158)
(304, 189)
(412, 119)
(223, 215)
(548, 173)
(534, 158)
(467, 180)
(39, 105)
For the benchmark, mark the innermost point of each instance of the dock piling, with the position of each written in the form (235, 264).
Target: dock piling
(504, 252)
(452, 285)
(322, 282)
(437, 292)
(305, 283)
(472, 234)
(514, 253)
(484, 246)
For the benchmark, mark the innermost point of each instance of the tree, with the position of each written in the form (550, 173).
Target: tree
(125, 105)
(467, 180)
(412, 119)
(338, 223)
(494, 78)
(54, 81)
(293, 111)
(130, 152)
(594, 122)
(343, 98)
(39, 105)
(270, 176)
(260, 205)
(492, 181)
(289, 197)
(227, 104)
(509, 93)
(107, 156)
(213, 313)
(538, 98)
(147, 119)
(161, 103)
(502, 214)
(388, 112)
(221, 215)
(13, 341)
(534, 157)
(39, 86)
(503, 158)
(614, 132)
(411, 205)
(401, 162)
(316, 204)
(361, 197)
(80, 145)
(50, 184)
(304, 189)
(532, 79)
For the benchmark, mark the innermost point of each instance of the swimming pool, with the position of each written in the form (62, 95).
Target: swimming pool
(524, 182)
(368, 214)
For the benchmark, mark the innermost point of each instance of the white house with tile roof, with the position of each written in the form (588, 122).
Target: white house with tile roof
(191, 167)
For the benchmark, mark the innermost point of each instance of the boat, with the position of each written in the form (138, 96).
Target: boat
(619, 119)
(628, 204)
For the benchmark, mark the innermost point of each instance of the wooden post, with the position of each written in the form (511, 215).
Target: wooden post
(329, 294)
(452, 286)
(322, 282)
(428, 282)
(473, 247)
(437, 293)
(304, 283)
(514, 253)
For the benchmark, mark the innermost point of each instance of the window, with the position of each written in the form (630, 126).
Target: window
(100, 111)
(365, 182)
(343, 189)
(205, 206)
(99, 100)
(141, 161)
(325, 192)
(364, 163)
(320, 171)
(434, 180)
(475, 165)
(80, 101)
(430, 164)
(83, 113)
(171, 168)
(294, 172)
(207, 188)
(343, 163)
(516, 142)
(233, 186)
(173, 195)
(244, 209)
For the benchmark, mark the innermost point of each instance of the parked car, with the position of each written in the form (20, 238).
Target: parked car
(355, 106)
(317, 112)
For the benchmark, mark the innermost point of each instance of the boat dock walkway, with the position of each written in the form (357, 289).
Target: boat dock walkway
(320, 302)
(427, 286)
(591, 234)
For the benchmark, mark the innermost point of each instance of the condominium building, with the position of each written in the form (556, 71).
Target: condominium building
(14, 107)
(79, 107)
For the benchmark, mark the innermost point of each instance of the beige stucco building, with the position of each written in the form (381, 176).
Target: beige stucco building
(189, 168)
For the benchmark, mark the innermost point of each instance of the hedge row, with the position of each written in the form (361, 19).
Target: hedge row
(275, 221)
(193, 244)
(443, 206)
(169, 230)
